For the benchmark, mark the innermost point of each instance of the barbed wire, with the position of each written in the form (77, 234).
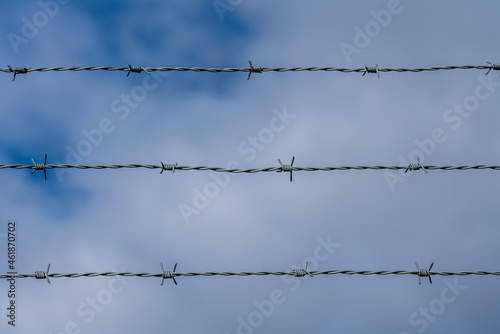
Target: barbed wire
(295, 272)
(252, 69)
(282, 168)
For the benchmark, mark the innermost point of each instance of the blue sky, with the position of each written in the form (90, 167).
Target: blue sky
(131, 220)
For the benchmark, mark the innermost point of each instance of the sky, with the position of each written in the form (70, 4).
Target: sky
(134, 219)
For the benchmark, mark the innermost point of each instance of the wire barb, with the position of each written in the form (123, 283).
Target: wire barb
(40, 167)
(286, 168)
(302, 272)
(167, 274)
(494, 67)
(43, 274)
(424, 272)
(17, 70)
(371, 69)
(416, 166)
(136, 69)
(165, 167)
(256, 69)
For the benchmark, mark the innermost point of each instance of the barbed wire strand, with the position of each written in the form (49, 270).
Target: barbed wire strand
(252, 69)
(295, 272)
(283, 168)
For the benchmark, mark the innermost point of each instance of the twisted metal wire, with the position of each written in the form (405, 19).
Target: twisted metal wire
(285, 168)
(419, 273)
(251, 69)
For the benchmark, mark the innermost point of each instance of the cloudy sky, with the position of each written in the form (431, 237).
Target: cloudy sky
(132, 220)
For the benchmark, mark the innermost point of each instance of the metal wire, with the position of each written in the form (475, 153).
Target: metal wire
(295, 273)
(283, 168)
(252, 69)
